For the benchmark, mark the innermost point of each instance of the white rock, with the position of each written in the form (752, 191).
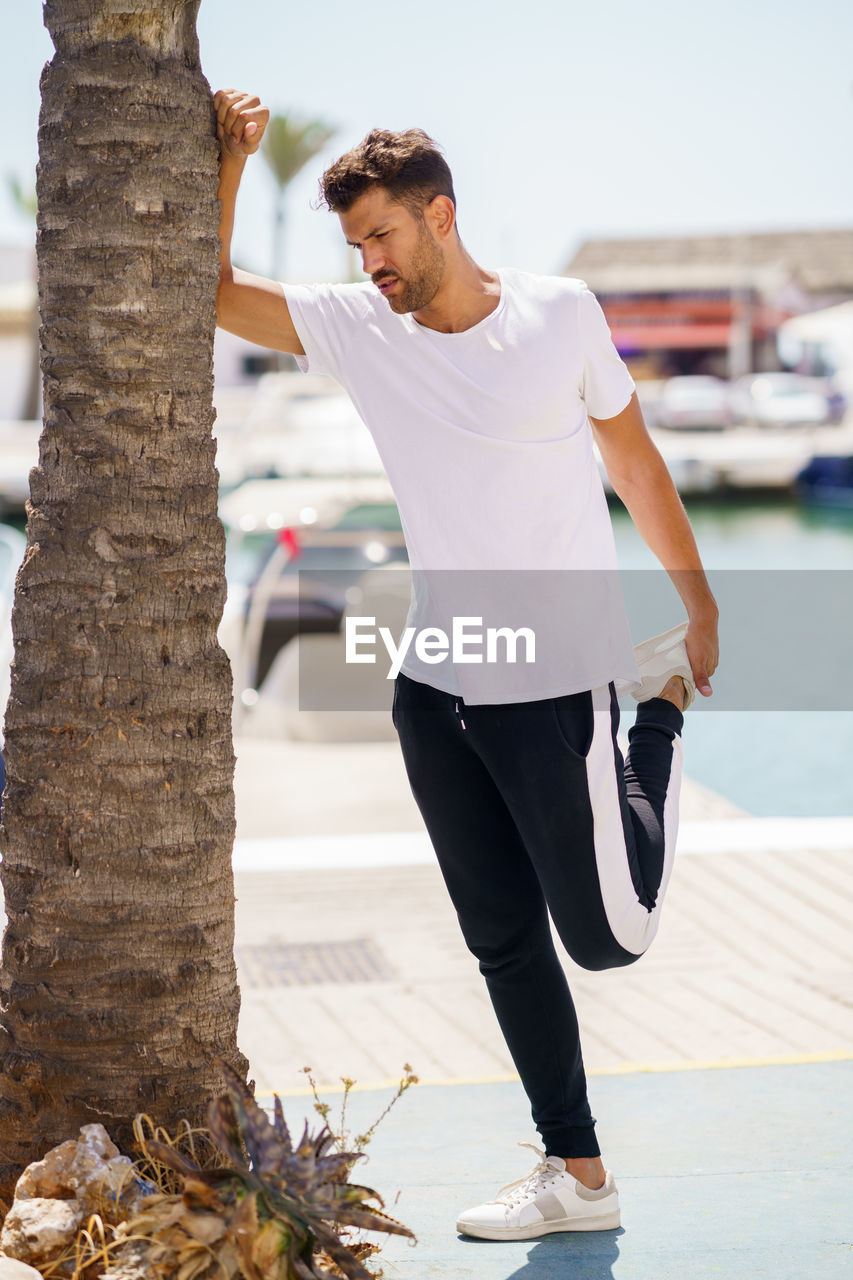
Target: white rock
(36, 1230)
(98, 1141)
(14, 1269)
(88, 1170)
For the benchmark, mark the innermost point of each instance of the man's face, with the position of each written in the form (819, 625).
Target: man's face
(398, 250)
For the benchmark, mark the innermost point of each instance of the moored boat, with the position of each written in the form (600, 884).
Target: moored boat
(826, 481)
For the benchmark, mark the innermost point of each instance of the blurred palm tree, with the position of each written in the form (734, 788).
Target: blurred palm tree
(24, 200)
(289, 143)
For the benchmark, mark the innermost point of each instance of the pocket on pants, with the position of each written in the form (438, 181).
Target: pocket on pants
(573, 716)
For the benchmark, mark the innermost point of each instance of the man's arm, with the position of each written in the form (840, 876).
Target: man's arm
(639, 476)
(247, 305)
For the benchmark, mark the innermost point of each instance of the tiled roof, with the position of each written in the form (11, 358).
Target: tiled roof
(819, 261)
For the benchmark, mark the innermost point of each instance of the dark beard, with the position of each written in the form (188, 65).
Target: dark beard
(425, 276)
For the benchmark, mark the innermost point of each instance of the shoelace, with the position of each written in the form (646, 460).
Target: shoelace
(531, 1183)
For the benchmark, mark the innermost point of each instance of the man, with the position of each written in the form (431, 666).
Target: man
(479, 388)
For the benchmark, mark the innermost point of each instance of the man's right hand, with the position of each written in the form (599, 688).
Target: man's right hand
(246, 304)
(240, 122)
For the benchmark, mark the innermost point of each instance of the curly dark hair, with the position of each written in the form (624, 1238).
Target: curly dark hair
(409, 165)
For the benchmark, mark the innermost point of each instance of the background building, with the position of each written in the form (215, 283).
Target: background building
(712, 303)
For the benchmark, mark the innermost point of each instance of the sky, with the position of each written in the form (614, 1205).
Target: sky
(560, 121)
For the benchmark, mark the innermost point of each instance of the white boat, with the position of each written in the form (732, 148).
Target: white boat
(743, 457)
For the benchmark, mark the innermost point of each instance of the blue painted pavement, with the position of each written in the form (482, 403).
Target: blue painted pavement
(737, 1172)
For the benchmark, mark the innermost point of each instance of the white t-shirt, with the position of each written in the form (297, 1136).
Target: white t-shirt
(485, 439)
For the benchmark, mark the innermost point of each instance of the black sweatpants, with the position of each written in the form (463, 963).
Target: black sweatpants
(530, 809)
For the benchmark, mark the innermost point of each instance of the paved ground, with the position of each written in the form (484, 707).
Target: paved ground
(737, 1173)
(306, 788)
(720, 1065)
(355, 971)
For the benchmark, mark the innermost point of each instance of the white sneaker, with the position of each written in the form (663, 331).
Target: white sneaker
(661, 658)
(548, 1199)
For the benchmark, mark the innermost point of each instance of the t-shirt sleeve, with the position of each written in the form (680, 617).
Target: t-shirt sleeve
(318, 322)
(607, 384)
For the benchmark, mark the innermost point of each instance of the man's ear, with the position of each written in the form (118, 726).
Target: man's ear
(441, 215)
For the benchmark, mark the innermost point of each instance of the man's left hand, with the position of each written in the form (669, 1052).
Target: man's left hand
(703, 650)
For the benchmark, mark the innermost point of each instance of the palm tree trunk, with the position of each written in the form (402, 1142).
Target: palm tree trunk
(118, 979)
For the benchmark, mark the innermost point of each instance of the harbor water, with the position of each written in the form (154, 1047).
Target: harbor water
(768, 762)
(776, 762)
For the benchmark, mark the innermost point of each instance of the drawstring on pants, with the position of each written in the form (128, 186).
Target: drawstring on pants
(459, 713)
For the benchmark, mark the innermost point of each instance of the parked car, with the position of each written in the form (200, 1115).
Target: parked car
(295, 549)
(694, 401)
(782, 400)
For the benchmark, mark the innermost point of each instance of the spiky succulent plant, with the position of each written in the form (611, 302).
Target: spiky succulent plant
(283, 1204)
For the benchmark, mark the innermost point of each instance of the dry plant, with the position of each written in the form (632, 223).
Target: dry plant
(239, 1200)
(342, 1137)
(264, 1208)
(344, 1140)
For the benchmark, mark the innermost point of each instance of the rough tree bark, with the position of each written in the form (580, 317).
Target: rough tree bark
(118, 977)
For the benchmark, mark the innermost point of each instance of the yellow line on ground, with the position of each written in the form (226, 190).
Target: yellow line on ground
(621, 1069)
(724, 1064)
